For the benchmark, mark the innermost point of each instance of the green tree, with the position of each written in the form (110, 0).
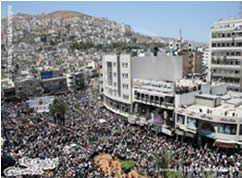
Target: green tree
(58, 109)
(173, 174)
(127, 165)
(162, 159)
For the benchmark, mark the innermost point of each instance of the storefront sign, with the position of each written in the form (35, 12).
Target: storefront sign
(204, 116)
(34, 166)
(190, 135)
(162, 86)
(191, 113)
(225, 145)
(227, 120)
(166, 131)
(179, 132)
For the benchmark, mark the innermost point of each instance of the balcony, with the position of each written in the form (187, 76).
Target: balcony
(227, 48)
(225, 66)
(229, 75)
(233, 85)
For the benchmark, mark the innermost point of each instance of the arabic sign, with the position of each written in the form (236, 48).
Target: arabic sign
(34, 166)
(166, 131)
(204, 116)
(227, 120)
(162, 86)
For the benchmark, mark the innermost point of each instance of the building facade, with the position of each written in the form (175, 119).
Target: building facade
(226, 53)
(117, 83)
(209, 120)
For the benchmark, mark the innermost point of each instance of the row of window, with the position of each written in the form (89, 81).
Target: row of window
(226, 35)
(125, 86)
(226, 53)
(192, 123)
(125, 65)
(228, 44)
(226, 71)
(226, 80)
(226, 62)
(153, 99)
(125, 75)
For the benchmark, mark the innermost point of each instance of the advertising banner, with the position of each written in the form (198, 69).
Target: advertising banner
(41, 104)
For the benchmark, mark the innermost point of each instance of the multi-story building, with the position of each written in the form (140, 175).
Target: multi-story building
(211, 119)
(225, 50)
(76, 80)
(192, 62)
(205, 58)
(117, 83)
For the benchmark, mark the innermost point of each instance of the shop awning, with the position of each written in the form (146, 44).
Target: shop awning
(207, 133)
(191, 135)
(225, 143)
(179, 132)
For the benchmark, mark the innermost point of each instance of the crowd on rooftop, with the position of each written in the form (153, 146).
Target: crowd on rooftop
(35, 135)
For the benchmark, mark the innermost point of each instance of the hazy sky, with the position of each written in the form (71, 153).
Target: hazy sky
(151, 18)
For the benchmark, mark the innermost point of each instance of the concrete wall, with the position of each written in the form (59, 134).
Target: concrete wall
(186, 98)
(219, 89)
(157, 67)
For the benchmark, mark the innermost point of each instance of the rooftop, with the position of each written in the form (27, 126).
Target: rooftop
(226, 109)
(208, 96)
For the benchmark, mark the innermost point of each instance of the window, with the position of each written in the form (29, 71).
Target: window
(125, 75)
(114, 74)
(125, 86)
(114, 84)
(237, 53)
(125, 97)
(239, 44)
(124, 64)
(191, 123)
(114, 64)
(240, 129)
(214, 35)
(227, 129)
(180, 119)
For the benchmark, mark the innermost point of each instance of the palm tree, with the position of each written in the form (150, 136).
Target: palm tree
(163, 159)
(58, 109)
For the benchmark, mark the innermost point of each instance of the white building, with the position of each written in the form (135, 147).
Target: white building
(117, 83)
(225, 50)
(205, 59)
(76, 79)
(212, 120)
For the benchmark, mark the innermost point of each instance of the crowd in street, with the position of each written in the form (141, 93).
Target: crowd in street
(35, 135)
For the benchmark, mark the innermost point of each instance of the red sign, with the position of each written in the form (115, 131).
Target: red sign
(225, 145)
(40, 102)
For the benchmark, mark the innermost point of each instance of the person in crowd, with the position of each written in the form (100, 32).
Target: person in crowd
(35, 135)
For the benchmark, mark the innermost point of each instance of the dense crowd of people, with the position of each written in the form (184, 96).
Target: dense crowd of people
(35, 135)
